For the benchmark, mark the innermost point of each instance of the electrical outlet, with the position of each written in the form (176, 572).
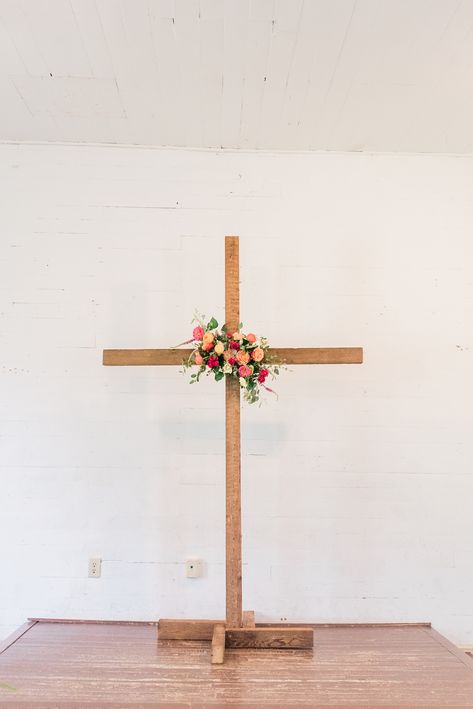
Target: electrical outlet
(95, 568)
(193, 568)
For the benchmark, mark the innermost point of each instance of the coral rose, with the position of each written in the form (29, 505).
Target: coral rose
(208, 341)
(198, 333)
(219, 348)
(242, 357)
(244, 371)
(257, 354)
(251, 338)
(198, 358)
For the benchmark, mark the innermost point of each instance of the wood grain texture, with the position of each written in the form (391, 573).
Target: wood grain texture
(269, 638)
(218, 644)
(248, 619)
(286, 355)
(83, 665)
(211, 623)
(233, 562)
(318, 355)
(138, 358)
(169, 629)
(16, 635)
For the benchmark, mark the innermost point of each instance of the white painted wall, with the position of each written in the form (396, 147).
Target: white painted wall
(357, 483)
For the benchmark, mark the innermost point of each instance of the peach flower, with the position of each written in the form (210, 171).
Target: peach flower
(198, 358)
(227, 354)
(219, 348)
(251, 338)
(257, 354)
(208, 341)
(242, 357)
(237, 336)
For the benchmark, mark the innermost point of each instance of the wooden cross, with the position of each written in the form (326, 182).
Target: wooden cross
(239, 628)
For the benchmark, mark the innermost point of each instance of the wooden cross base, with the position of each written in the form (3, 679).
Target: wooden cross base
(285, 637)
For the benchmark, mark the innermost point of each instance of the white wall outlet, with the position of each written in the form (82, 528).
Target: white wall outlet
(95, 568)
(193, 568)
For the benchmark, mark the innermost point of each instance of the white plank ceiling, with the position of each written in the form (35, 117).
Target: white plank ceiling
(377, 75)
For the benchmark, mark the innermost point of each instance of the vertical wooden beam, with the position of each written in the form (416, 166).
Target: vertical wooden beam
(232, 433)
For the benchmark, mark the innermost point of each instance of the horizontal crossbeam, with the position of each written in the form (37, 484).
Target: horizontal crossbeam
(285, 355)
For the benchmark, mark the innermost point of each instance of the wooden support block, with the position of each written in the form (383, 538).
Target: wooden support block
(218, 644)
(273, 637)
(248, 619)
(186, 629)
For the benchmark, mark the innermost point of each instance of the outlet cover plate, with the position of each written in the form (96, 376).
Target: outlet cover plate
(95, 568)
(193, 568)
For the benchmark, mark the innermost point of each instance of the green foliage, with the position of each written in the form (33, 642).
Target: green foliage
(212, 324)
(251, 385)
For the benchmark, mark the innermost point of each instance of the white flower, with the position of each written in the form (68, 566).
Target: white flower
(243, 382)
(227, 368)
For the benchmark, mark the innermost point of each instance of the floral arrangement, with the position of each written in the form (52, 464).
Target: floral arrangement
(235, 354)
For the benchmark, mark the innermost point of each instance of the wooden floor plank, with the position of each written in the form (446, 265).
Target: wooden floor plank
(67, 665)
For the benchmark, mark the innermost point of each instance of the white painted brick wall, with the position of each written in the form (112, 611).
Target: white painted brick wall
(357, 484)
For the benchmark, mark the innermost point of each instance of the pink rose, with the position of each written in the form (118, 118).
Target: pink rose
(198, 333)
(257, 354)
(244, 371)
(251, 338)
(198, 358)
(213, 362)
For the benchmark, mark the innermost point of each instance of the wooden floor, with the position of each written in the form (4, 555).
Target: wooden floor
(65, 665)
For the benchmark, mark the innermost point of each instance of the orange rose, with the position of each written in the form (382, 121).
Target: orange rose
(242, 357)
(198, 358)
(257, 354)
(219, 347)
(208, 341)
